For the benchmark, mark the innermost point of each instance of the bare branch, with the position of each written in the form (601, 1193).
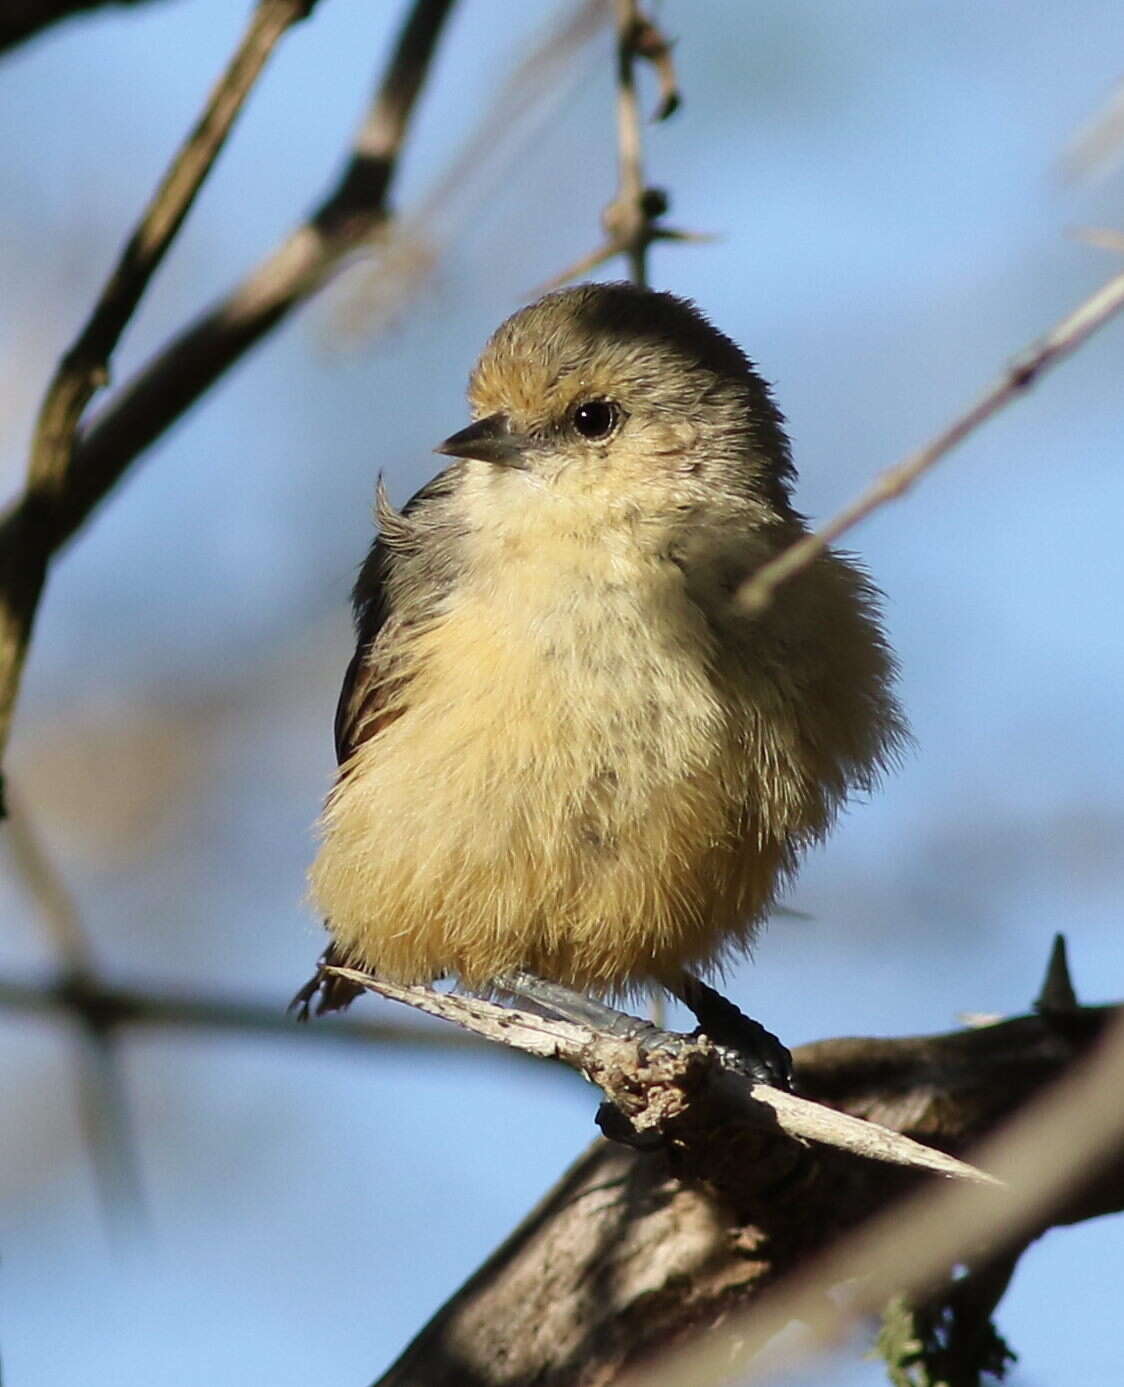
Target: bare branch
(627, 218)
(112, 1008)
(632, 220)
(48, 891)
(1098, 146)
(757, 592)
(27, 544)
(634, 1251)
(654, 1078)
(908, 1250)
(69, 478)
(102, 1103)
(22, 19)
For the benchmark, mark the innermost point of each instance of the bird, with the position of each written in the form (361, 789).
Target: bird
(567, 750)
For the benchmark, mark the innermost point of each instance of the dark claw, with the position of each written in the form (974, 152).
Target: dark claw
(756, 1052)
(330, 992)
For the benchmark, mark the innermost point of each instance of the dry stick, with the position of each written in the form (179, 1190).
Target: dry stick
(629, 204)
(624, 1068)
(757, 592)
(631, 220)
(1042, 1155)
(69, 478)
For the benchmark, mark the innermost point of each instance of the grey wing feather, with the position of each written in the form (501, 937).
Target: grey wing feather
(361, 711)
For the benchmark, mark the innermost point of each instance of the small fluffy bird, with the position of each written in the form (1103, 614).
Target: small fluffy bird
(565, 748)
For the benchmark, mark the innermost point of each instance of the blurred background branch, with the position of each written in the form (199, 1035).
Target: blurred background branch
(23, 19)
(37, 527)
(71, 471)
(163, 752)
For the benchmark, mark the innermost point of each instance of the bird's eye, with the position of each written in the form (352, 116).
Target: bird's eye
(596, 418)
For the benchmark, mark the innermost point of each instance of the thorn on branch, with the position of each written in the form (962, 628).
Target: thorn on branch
(1058, 996)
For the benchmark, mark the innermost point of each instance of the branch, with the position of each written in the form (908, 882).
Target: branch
(108, 1008)
(22, 19)
(632, 220)
(28, 542)
(102, 1104)
(757, 592)
(633, 1250)
(667, 1086)
(1062, 1159)
(70, 477)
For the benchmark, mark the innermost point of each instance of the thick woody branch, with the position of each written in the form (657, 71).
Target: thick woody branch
(1062, 1158)
(633, 1250)
(757, 592)
(71, 470)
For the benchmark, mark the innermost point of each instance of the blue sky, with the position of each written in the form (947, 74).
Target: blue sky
(892, 226)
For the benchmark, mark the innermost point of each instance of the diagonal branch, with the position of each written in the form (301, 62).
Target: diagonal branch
(635, 1250)
(77, 474)
(1062, 1159)
(757, 592)
(28, 542)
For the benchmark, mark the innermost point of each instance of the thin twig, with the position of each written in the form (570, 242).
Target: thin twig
(79, 474)
(112, 1007)
(757, 592)
(1103, 237)
(1098, 146)
(48, 891)
(632, 220)
(629, 208)
(637, 1074)
(530, 97)
(26, 547)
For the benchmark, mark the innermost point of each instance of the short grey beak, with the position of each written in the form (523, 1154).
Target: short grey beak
(488, 440)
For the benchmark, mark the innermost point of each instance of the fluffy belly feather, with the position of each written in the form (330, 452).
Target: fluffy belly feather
(561, 794)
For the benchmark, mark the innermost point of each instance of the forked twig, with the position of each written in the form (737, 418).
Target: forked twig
(632, 220)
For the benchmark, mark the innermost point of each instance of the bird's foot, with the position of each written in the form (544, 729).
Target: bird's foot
(325, 989)
(745, 1044)
(566, 1004)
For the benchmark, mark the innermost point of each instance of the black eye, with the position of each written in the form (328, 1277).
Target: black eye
(596, 418)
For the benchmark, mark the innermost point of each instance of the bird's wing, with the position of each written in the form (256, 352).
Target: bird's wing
(362, 710)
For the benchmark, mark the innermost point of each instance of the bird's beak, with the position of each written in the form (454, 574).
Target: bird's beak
(489, 440)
